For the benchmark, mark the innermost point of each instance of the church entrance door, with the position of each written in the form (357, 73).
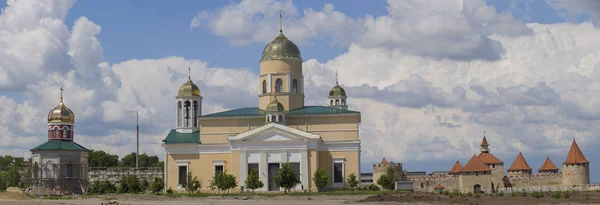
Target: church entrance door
(273, 169)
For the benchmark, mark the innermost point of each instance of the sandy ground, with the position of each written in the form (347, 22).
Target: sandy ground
(412, 198)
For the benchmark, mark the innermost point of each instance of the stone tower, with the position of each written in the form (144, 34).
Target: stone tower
(520, 167)
(491, 161)
(475, 177)
(381, 168)
(576, 169)
(281, 72)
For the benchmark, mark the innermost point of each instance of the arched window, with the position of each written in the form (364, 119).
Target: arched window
(343, 102)
(64, 132)
(195, 115)
(56, 132)
(337, 102)
(264, 87)
(268, 118)
(186, 117)
(179, 114)
(331, 103)
(295, 86)
(278, 85)
(273, 118)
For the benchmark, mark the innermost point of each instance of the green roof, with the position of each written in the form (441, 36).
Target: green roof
(175, 137)
(61, 145)
(307, 110)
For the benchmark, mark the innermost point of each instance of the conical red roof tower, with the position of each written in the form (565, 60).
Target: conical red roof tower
(575, 156)
(548, 166)
(519, 164)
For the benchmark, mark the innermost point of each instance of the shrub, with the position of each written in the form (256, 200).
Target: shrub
(130, 184)
(566, 195)
(101, 187)
(320, 178)
(286, 177)
(536, 194)
(169, 190)
(192, 184)
(222, 181)
(469, 194)
(352, 180)
(13, 178)
(556, 195)
(388, 180)
(157, 185)
(144, 185)
(253, 181)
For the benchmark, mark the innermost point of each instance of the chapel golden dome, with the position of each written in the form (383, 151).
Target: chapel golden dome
(188, 88)
(275, 106)
(337, 90)
(61, 113)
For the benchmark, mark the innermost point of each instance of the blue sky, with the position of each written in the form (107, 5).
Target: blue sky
(439, 88)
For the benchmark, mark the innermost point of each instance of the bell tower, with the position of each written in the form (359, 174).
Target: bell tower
(189, 107)
(281, 73)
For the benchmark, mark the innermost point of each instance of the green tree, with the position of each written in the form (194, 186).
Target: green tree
(13, 178)
(99, 158)
(253, 181)
(144, 161)
(352, 180)
(157, 185)
(2, 181)
(388, 180)
(286, 177)
(192, 184)
(320, 178)
(229, 182)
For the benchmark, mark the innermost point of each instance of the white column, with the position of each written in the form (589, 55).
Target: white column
(243, 167)
(304, 169)
(289, 83)
(177, 115)
(263, 170)
(269, 86)
(190, 114)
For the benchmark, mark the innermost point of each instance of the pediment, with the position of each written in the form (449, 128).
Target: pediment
(274, 132)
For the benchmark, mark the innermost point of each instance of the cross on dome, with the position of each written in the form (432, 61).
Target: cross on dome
(61, 93)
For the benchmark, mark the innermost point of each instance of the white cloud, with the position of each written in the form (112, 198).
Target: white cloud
(439, 29)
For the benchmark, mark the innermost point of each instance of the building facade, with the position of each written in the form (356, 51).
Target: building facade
(281, 129)
(60, 163)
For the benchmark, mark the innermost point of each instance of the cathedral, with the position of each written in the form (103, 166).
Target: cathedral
(282, 129)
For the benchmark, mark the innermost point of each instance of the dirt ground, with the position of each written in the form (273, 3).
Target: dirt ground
(9, 198)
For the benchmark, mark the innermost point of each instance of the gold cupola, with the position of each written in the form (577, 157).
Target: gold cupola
(61, 113)
(188, 88)
(275, 106)
(281, 48)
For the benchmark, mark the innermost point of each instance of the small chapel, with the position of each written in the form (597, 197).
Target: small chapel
(60, 164)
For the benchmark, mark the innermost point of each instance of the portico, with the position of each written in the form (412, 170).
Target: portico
(266, 147)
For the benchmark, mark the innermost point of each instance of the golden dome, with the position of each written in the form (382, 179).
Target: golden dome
(281, 48)
(337, 90)
(188, 88)
(61, 113)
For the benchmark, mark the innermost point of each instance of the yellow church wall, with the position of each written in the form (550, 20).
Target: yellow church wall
(351, 163)
(173, 168)
(281, 66)
(330, 128)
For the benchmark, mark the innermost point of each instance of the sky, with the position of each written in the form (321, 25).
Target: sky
(429, 77)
